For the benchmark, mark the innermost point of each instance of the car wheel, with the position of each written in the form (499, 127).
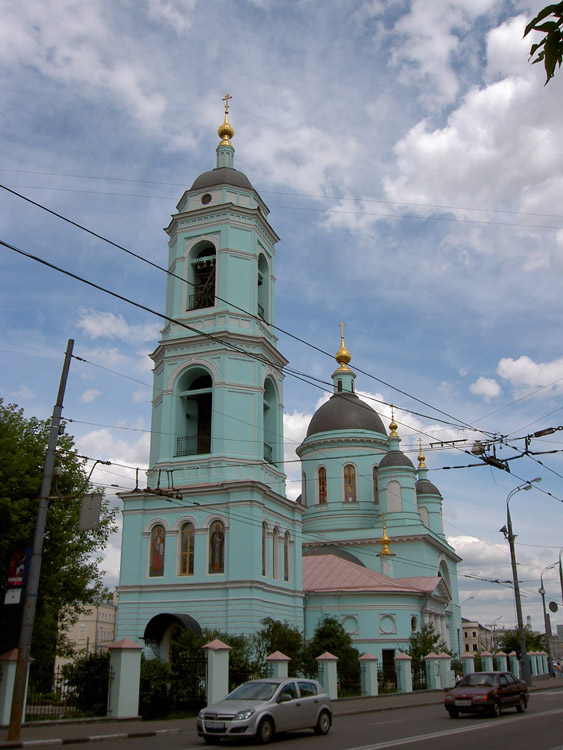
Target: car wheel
(265, 731)
(496, 709)
(453, 712)
(521, 707)
(323, 724)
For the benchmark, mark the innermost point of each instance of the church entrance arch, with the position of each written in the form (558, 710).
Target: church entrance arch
(162, 629)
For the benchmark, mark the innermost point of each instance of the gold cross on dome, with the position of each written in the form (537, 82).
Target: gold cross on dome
(342, 330)
(226, 100)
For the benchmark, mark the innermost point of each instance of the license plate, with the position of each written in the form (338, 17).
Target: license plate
(463, 703)
(215, 724)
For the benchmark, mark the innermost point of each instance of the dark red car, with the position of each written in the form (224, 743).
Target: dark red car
(486, 692)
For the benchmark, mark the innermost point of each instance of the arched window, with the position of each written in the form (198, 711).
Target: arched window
(263, 288)
(276, 553)
(339, 386)
(375, 487)
(194, 412)
(187, 549)
(286, 556)
(201, 276)
(424, 515)
(304, 488)
(264, 548)
(394, 497)
(217, 547)
(350, 492)
(321, 480)
(157, 544)
(270, 421)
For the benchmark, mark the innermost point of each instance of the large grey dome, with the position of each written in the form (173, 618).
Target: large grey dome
(222, 176)
(396, 458)
(345, 411)
(425, 487)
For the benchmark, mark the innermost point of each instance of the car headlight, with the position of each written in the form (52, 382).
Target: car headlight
(243, 715)
(201, 715)
(483, 697)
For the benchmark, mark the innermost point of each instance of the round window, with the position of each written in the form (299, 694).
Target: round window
(205, 199)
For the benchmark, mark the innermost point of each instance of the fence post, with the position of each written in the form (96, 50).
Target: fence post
(8, 663)
(403, 670)
(368, 665)
(487, 662)
(278, 664)
(125, 679)
(327, 673)
(432, 672)
(467, 663)
(500, 657)
(447, 678)
(514, 667)
(217, 683)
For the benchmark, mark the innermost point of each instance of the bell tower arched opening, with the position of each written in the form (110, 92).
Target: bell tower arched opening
(194, 412)
(201, 276)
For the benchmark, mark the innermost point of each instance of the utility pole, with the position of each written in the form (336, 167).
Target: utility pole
(32, 587)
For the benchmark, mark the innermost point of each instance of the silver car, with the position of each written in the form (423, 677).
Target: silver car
(263, 707)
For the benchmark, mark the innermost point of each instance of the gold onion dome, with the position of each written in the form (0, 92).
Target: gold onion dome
(384, 541)
(393, 425)
(421, 456)
(226, 130)
(342, 356)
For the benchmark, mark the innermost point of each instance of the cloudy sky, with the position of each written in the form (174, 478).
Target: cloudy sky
(411, 158)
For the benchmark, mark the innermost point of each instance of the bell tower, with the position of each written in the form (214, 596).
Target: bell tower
(217, 402)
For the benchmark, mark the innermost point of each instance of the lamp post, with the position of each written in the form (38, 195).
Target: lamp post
(510, 536)
(546, 621)
(495, 632)
(459, 639)
(561, 573)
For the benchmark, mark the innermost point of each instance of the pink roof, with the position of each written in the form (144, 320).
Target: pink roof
(332, 573)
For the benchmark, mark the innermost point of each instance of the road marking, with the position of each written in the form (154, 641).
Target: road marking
(463, 730)
(380, 723)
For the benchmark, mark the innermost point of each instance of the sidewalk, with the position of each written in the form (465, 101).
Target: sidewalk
(89, 730)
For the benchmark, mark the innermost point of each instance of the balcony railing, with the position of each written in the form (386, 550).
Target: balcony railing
(193, 445)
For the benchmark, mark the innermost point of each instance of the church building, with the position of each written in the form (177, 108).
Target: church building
(213, 541)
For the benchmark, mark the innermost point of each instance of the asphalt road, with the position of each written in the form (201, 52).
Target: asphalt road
(423, 728)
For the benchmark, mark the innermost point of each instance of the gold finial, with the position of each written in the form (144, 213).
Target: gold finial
(393, 425)
(384, 541)
(226, 130)
(421, 464)
(342, 356)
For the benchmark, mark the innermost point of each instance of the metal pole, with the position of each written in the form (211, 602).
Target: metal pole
(561, 574)
(524, 658)
(32, 587)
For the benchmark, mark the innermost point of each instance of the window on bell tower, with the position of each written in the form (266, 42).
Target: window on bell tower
(321, 480)
(263, 288)
(194, 413)
(201, 274)
(350, 492)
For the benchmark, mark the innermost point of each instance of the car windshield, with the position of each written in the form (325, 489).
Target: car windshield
(478, 678)
(254, 691)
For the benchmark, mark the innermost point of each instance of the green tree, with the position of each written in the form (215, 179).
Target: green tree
(424, 642)
(510, 641)
(549, 22)
(280, 636)
(330, 636)
(71, 578)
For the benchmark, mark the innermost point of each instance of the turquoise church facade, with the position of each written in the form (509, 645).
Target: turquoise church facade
(213, 541)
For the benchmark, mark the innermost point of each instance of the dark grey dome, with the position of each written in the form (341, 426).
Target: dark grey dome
(345, 411)
(396, 458)
(222, 176)
(425, 487)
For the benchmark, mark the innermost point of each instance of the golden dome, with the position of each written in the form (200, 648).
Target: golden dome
(226, 130)
(384, 541)
(421, 457)
(393, 425)
(342, 356)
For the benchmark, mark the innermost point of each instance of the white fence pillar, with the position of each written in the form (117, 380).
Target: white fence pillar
(125, 668)
(217, 684)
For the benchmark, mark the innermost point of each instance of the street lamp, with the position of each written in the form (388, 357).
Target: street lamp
(508, 533)
(495, 632)
(546, 621)
(459, 632)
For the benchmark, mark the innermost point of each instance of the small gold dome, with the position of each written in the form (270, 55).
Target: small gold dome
(421, 456)
(393, 425)
(384, 541)
(342, 356)
(226, 130)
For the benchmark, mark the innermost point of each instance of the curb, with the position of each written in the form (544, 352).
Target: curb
(91, 738)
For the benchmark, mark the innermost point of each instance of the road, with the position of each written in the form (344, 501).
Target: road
(424, 728)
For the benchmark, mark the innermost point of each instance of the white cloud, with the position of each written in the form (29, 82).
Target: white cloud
(176, 13)
(486, 387)
(141, 396)
(90, 395)
(98, 324)
(525, 372)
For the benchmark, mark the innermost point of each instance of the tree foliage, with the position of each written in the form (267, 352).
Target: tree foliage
(280, 636)
(510, 641)
(549, 50)
(424, 642)
(331, 636)
(70, 577)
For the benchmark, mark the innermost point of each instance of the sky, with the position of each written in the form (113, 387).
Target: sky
(411, 158)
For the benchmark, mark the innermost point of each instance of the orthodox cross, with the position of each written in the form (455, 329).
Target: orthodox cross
(226, 100)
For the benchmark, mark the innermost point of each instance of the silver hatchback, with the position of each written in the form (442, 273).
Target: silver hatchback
(263, 707)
